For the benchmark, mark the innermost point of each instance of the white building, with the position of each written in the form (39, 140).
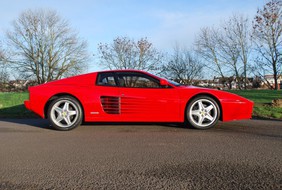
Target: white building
(270, 80)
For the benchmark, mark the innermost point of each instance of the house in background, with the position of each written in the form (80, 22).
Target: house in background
(269, 81)
(226, 83)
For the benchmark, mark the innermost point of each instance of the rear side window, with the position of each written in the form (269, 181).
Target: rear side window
(106, 79)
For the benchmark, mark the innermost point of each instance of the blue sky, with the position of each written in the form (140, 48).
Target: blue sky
(164, 23)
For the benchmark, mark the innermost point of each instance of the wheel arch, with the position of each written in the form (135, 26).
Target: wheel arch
(56, 96)
(208, 95)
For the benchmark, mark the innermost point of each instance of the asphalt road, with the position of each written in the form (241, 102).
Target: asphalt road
(236, 155)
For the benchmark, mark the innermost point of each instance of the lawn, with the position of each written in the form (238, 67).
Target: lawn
(263, 99)
(11, 104)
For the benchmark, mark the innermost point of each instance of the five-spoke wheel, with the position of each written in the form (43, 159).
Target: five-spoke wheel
(65, 113)
(202, 112)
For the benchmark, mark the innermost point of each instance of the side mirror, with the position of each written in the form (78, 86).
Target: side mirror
(164, 82)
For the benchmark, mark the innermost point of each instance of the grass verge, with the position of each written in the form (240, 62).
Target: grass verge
(263, 100)
(11, 106)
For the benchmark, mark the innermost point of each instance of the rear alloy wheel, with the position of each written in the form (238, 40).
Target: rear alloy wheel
(203, 112)
(65, 113)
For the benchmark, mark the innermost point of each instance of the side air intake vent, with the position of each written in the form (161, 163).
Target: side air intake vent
(111, 104)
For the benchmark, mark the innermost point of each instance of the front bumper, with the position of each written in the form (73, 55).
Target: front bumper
(237, 110)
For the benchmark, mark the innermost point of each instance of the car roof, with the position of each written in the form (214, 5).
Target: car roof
(130, 70)
(123, 70)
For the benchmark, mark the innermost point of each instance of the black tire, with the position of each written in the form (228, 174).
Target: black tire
(65, 113)
(202, 112)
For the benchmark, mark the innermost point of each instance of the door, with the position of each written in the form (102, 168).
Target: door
(143, 99)
(107, 96)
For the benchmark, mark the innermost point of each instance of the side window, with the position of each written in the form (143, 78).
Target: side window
(106, 79)
(137, 81)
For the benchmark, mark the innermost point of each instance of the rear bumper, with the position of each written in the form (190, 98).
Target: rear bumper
(27, 104)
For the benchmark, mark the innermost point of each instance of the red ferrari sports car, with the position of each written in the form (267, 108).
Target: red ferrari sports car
(132, 96)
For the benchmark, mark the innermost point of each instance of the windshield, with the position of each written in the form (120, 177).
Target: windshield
(171, 81)
(174, 83)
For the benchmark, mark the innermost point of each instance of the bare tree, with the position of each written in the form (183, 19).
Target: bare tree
(125, 53)
(235, 47)
(183, 66)
(1, 53)
(267, 35)
(226, 49)
(44, 47)
(229, 52)
(4, 75)
(209, 48)
(243, 37)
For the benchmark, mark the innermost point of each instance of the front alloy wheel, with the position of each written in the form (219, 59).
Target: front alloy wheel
(203, 112)
(65, 113)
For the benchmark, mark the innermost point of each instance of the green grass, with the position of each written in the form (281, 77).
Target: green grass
(11, 104)
(263, 100)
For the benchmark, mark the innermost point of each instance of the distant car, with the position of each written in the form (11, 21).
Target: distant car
(132, 96)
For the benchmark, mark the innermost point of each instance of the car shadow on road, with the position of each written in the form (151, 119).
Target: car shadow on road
(266, 119)
(138, 126)
(17, 111)
(257, 127)
(44, 123)
(30, 122)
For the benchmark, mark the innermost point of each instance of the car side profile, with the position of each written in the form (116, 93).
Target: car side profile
(132, 96)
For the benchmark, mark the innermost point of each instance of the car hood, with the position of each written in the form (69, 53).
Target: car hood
(220, 94)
